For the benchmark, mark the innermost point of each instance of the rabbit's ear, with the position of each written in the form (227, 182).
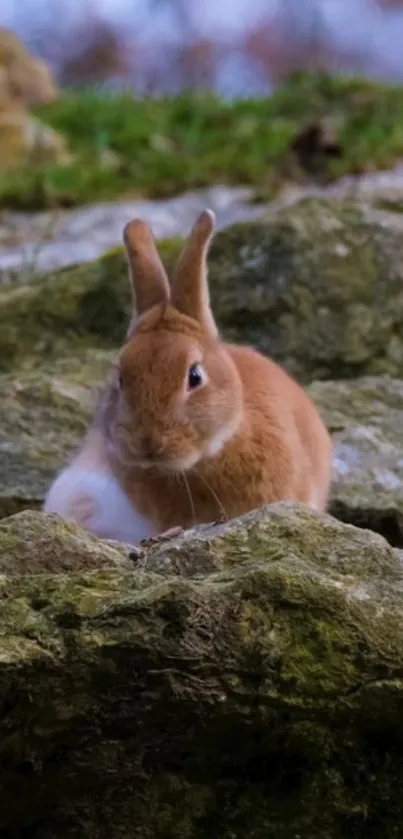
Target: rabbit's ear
(190, 293)
(148, 277)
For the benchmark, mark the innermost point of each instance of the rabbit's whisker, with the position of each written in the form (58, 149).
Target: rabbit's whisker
(189, 493)
(213, 493)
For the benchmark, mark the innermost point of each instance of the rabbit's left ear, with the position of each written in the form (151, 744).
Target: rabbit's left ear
(190, 292)
(149, 280)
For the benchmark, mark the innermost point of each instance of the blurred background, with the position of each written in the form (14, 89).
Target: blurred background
(237, 47)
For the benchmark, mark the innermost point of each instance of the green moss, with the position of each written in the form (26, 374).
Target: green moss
(165, 145)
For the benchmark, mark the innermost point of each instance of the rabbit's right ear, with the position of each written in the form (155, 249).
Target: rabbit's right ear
(148, 276)
(190, 292)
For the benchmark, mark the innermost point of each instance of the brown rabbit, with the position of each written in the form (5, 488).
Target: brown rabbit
(190, 429)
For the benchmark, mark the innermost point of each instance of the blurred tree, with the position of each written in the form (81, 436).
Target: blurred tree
(390, 4)
(293, 39)
(101, 54)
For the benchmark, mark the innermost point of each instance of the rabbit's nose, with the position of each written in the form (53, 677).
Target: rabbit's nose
(151, 445)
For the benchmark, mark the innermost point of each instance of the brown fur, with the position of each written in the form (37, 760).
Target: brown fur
(158, 436)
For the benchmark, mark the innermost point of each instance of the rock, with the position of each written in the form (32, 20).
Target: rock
(64, 312)
(238, 678)
(30, 545)
(25, 81)
(44, 418)
(318, 286)
(85, 233)
(25, 141)
(23, 78)
(366, 421)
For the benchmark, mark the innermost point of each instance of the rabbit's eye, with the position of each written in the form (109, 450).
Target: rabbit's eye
(195, 376)
(120, 382)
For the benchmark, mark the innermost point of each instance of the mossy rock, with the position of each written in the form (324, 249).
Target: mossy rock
(28, 545)
(63, 312)
(69, 310)
(242, 679)
(44, 417)
(319, 286)
(365, 418)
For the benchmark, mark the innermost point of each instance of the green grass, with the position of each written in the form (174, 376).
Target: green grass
(166, 145)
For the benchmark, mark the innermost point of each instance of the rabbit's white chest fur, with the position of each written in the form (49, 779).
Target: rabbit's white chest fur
(94, 499)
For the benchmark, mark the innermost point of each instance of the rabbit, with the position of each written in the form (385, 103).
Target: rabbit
(190, 429)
